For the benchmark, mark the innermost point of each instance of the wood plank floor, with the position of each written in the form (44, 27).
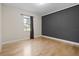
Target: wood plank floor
(39, 47)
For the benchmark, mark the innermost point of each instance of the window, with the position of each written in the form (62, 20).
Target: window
(26, 23)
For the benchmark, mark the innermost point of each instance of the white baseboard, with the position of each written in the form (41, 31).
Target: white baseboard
(53, 38)
(61, 40)
(12, 41)
(37, 36)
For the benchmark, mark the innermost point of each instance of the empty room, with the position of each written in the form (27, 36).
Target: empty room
(39, 29)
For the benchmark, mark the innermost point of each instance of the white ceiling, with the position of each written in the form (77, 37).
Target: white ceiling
(42, 9)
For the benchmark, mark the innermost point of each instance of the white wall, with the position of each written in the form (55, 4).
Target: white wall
(37, 26)
(0, 27)
(12, 24)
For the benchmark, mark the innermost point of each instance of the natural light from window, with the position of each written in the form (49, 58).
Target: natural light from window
(26, 23)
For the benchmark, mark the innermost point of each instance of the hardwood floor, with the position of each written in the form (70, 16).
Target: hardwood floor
(39, 47)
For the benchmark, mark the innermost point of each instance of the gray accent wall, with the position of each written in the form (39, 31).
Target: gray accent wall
(63, 24)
